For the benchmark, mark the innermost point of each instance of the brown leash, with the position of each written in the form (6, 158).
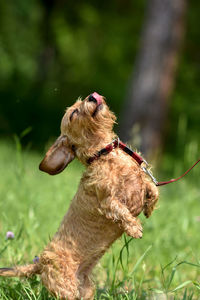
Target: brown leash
(140, 160)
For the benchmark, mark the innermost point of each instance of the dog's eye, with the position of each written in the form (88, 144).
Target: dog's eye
(74, 112)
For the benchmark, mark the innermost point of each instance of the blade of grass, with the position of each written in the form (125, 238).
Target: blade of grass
(125, 246)
(182, 285)
(140, 260)
(196, 284)
(4, 249)
(185, 295)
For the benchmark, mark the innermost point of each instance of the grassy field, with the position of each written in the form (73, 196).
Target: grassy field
(164, 264)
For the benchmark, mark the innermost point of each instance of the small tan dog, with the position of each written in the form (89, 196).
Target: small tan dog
(113, 191)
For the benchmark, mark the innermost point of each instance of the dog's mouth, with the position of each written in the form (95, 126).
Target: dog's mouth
(98, 100)
(97, 109)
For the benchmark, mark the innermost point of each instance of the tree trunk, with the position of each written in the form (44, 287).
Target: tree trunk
(148, 96)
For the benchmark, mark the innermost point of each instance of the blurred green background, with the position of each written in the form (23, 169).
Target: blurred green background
(52, 51)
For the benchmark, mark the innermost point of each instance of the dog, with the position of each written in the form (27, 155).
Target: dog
(112, 192)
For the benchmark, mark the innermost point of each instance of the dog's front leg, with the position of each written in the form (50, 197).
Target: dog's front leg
(118, 212)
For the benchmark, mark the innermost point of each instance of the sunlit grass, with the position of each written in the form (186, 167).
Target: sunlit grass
(165, 262)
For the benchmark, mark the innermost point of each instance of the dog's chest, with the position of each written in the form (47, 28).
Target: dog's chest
(86, 200)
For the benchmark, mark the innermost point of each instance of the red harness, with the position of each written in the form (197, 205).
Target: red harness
(117, 143)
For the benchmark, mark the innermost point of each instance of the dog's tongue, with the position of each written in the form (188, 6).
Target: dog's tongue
(97, 97)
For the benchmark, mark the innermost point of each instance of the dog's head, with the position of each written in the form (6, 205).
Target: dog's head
(85, 128)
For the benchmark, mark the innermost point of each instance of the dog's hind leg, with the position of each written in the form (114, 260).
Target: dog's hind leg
(86, 288)
(59, 271)
(63, 285)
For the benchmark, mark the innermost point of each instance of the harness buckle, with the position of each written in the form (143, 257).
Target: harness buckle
(115, 143)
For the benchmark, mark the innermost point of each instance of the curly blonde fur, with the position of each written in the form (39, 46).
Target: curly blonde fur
(112, 192)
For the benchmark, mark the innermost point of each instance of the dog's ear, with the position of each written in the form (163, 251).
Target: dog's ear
(57, 157)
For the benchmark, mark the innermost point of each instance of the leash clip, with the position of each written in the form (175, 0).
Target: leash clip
(149, 173)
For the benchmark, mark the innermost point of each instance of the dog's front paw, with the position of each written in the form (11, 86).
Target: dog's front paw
(135, 230)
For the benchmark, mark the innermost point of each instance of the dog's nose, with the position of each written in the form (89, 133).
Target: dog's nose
(96, 98)
(92, 99)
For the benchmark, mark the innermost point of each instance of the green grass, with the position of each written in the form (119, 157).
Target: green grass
(164, 264)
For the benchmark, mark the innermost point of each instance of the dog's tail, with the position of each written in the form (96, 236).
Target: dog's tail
(21, 271)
